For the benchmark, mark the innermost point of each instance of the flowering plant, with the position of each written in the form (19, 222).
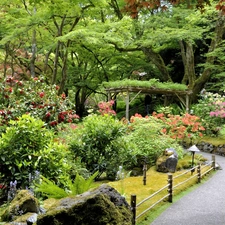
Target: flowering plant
(211, 110)
(180, 127)
(36, 98)
(106, 108)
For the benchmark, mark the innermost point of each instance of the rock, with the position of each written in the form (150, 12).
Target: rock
(21, 220)
(171, 164)
(32, 219)
(23, 203)
(168, 161)
(102, 206)
(137, 171)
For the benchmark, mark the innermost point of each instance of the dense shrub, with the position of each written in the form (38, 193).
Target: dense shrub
(36, 98)
(210, 108)
(96, 142)
(181, 126)
(27, 146)
(149, 140)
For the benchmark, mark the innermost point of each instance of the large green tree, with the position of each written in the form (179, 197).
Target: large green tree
(78, 44)
(180, 27)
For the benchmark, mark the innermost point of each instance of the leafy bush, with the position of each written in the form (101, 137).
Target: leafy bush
(149, 140)
(27, 146)
(210, 108)
(34, 97)
(95, 141)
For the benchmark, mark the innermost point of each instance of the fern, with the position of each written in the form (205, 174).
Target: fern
(50, 189)
(79, 186)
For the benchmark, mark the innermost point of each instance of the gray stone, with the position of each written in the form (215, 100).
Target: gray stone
(168, 161)
(32, 219)
(171, 164)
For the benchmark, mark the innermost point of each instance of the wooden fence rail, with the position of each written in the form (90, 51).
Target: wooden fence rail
(170, 187)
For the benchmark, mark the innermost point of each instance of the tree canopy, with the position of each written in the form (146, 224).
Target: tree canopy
(80, 44)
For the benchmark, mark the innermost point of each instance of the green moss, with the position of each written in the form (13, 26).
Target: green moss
(214, 141)
(96, 210)
(24, 202)
(153, 83)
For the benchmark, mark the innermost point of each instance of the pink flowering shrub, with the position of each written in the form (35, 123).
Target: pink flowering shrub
(211, 110)
(106, 108)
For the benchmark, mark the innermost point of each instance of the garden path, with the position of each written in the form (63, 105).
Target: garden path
(203, 206)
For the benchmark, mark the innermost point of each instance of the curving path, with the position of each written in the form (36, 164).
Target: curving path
(203, 206)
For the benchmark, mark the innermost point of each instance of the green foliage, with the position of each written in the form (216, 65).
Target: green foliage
(37, 98)
(95, 141)
(27, 146)
(208, 106)
(49, 189)
(172, 109)
(149, 141)
(153, 83)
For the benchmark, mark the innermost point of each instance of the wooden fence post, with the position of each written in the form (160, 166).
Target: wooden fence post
(144, 173)
(170, 188)
(214, 162)
(133, 208)
(199, 173)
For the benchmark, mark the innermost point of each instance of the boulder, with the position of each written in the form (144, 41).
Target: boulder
(168, 161)
(101, 206)
(23, 203)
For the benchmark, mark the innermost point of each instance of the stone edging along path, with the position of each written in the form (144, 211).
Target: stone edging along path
(210, 148)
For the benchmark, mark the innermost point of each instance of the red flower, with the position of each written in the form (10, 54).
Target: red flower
(48, 114)
(63, 96)
(9, 79)
(42, 94)
(53, 123)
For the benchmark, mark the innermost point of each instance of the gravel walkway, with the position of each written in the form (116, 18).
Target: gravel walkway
(203, 206)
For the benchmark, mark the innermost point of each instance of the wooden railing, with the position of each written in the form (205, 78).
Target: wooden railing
(201, 171)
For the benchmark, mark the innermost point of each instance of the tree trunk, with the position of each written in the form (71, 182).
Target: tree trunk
(33, 56)
(79, 102)
(159, 63)
(6, 58)
(219, 32)
(187, 54)
(56, 60)
(64, 70)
